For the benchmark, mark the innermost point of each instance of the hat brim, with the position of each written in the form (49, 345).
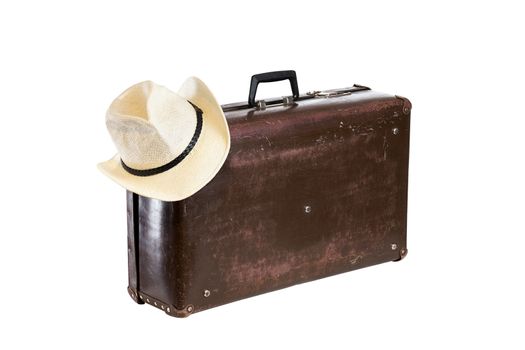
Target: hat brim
(199, 166)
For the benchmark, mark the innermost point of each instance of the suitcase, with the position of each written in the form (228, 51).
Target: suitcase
(314, 185)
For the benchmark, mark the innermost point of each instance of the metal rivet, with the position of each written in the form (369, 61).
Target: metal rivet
(393, 246)
(155, 303)
(162, 307)
(395, 131)
(307, 208)
(206, 293)
(403, 252)
(189, 308)
(141, 297)
(168, 309)
(147, 300)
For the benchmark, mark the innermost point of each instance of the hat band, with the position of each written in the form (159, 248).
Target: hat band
(180, 157)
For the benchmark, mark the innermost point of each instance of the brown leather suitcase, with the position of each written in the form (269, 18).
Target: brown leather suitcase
(314, 185)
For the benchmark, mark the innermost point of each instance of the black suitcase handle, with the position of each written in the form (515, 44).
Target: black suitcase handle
(271, 77)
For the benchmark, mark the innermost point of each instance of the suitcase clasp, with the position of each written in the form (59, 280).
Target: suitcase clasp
(331, 93)
(337, 92)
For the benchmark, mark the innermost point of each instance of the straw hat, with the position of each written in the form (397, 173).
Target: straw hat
(169, 144)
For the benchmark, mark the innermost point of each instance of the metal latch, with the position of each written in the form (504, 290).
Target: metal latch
(331, 93)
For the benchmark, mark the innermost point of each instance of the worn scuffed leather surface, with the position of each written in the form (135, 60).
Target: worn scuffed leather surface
(309, 190)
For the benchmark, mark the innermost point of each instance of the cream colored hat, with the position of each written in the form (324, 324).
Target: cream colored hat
(169, 144)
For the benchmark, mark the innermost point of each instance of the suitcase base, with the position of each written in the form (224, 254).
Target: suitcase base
(141, 298)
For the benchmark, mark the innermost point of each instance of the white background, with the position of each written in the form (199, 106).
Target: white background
(63, 258)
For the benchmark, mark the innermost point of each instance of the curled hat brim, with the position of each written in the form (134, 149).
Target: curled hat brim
(200, 165)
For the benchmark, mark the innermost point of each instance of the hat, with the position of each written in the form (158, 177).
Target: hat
(169, 144)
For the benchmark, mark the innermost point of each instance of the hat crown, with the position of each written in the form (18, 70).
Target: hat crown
(150, 125)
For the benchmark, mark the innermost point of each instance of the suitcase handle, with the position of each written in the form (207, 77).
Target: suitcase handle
(271, 77)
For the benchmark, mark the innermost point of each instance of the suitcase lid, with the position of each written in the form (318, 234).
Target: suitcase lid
(306, 103)
(292, 117)
(289, 100)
